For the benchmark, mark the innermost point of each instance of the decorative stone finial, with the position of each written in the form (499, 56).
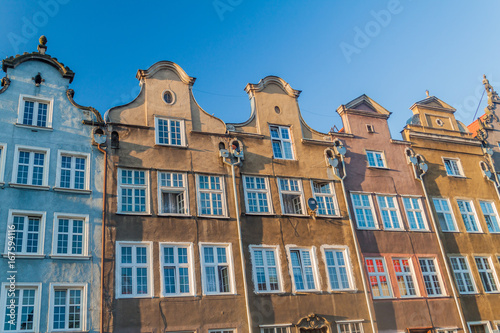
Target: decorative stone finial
(427, 93)
(493, 99)
(42, 47)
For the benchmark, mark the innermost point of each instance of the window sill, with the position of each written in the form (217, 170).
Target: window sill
(260, 214)
(177, 296)
(174, 215)
(451, 231)
(219, 294)
(284, 159)
(307, 292)
(377, 168)
(264, 293)
(329, 216)
(134, 213)
(457, 176)
(219, 217)
(32, 187)
(71, 190)
(34, 128)
(173, 146)
(368, 229)
(391, 229)
(419, 230)
(296, 215)
(24, 255)
(133, 296)
(69, 257)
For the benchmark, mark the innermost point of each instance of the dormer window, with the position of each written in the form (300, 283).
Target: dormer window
(35, 111)
(375, 159)
(453, 167)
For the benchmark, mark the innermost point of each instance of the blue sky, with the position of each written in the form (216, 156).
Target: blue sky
(333, 51)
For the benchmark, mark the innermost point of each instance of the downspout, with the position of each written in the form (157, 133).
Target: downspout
(103, 234)
(441, 248)
(242, 256)
(356, 245)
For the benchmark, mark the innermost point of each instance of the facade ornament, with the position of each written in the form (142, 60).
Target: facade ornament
(5, 83)
(493, 99)
(42, 47)
(313, 322)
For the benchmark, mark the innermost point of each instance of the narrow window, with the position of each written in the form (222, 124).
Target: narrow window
(257, 195)
(431, 277)
(490, 216)
(132, 191)
(70, 236)
(463, 275)
(363, 210)
(216, 269)
(291, 196)
(468, 215)
(325, 196)
(3, 151)
(415, 213)
(24, 309)
(67, 308)
(266, 269)
(338, 271)
(72, 171)
(282, 142)
(390, 212)
(133, 270)
(303, 269)
(444, 214)
(211, 195)
(375, 159)
(379, 279)
(172, 193)
(487, 274)
(405, 277)
(176, 261)
(27, 232)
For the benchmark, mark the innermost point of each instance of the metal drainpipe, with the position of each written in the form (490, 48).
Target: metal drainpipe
(103, 234)
(242, 256)
(358, 252)
(441, 248)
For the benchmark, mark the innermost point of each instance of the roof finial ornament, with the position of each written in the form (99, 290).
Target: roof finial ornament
(42, 47)
(427, 93)
(492, 100)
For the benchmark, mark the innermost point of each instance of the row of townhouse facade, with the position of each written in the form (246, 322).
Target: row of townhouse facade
(159, 217)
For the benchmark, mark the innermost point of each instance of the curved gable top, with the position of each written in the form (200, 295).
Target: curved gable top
(13, 62)
(271, 79)
(151, 71)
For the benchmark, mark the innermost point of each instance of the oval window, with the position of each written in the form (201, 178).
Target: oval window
(168, 97)
(277, 109)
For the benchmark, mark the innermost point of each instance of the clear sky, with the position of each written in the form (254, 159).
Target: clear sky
(333, 51)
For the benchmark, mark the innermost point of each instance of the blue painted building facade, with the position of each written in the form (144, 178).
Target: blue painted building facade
(50, 200)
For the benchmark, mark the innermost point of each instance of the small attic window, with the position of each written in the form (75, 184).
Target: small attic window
(370, 128)
(277, 109)
(439, 122)
(168, 97)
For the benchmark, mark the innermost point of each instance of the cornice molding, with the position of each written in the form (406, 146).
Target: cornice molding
(13, 62)
(445, 138)
(151, 71)
(70, 93)
(252, 88)
(343, 109)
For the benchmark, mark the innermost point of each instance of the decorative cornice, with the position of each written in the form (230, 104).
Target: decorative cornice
(13, 62)
(445, 138)
(5, 84)
(70, 93)
(151, 71)
(251, 88)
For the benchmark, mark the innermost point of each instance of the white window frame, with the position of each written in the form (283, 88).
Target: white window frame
(331, 195)
(495, 215)
(5, 295)
(447, 330)
(3, 153)
(41, 233)
(364, 208)
(469, 214)
(133, 265)
(83, 306)
(314, 267)
(229, 263)
(487, 323)
(385, 198)
(458, 172)
(169, 121)
(46, 164)
(73, 154)
(20, 114)
(222, 330)
(121, 186)
(450, 211)
(222, 191)
(189, 265)
(414, 211)
(300, 193)
(437, 273)
(85, 235)
(376, 154)
(377, 274)
(281, 140)
(350, 322)
(173, 189)
(411, 274)
(461, 272)
(266, 191)
(491, 271)
(348, 267)
(275, 250)
(276, 328)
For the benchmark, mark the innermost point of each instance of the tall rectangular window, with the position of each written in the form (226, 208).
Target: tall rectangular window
(415, 213)
(133, 194)
(169, 132)
(265, 269)
(257, 195)
(3, 152)
(375, 159)
(487, 274)
(177, 272)
(67, 308)
(282, 142)
(133, 270)
(431, 277)
(463, 275)
(217, 272)
(292, 201)
(25, 305)
(172, 193)
(337, 266)
(325, 196)
(35, 111)
(73, 170)
(70, 235)
(28, 227)
(490, 216)
(363, 209)
(444, 214)
(211, 195)
(303, 268)
(405, 277)
(31, 166)
(379, 279)
(390, 212)
(469, 217)
(453, 167)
